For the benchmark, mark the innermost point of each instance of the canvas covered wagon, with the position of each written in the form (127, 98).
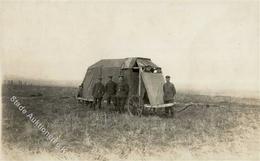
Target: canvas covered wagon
(144, 78)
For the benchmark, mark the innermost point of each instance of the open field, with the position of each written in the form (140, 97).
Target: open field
(219, 128)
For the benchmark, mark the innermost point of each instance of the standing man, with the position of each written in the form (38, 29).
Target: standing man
(98, 92)
(169, 93)
(80, 91)
(110, 90)
(122, 94)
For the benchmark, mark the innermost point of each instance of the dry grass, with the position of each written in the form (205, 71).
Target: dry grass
(229, 130)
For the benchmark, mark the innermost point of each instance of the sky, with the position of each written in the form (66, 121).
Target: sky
(202, 44)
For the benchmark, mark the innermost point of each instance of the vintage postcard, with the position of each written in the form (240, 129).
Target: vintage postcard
(130, 80)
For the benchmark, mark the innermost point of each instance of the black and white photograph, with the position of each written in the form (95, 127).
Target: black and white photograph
(130, 80)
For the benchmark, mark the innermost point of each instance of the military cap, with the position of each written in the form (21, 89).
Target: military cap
(167, 76)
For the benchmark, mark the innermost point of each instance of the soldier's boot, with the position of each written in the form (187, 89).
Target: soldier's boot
(172, 112)
(115, 105)
(169, 112)
(99, 105)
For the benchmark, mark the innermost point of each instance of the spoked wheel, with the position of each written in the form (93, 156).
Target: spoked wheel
(134, 106)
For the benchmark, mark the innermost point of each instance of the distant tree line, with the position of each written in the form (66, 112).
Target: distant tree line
(17, 83)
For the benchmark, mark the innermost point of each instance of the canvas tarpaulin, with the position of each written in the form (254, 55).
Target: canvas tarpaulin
(145, 63)
(153, 83)
(138, 62)
(126, 67)
(128, 63)
(108, 63)
(88, 83)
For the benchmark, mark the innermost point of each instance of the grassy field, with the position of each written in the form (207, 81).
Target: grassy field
(218, 128)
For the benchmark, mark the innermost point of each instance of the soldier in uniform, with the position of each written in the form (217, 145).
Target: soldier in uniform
(98, 92)
(80, 91)
(110, 90)
(169, 93)
(121, 94)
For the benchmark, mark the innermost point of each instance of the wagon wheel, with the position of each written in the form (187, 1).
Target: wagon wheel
(133, 106)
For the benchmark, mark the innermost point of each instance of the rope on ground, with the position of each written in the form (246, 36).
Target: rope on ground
(185, 107)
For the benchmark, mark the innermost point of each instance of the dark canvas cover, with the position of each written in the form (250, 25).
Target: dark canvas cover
(116, 67)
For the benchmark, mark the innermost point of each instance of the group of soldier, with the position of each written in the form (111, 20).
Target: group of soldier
(118, 93)
(115, 92)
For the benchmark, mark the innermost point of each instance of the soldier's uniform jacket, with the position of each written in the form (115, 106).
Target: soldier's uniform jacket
(111, 88)
(98, 90)
(80, 91)
(122, 89)
(169, 91)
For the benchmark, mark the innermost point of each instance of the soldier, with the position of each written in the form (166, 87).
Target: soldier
(110, 90)
(122, 94)
(169, 93)
(80, 91)
(98, 92)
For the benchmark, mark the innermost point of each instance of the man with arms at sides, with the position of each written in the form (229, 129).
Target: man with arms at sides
(122, 94)
(98, 92)
(169, 93)
(111, 91)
